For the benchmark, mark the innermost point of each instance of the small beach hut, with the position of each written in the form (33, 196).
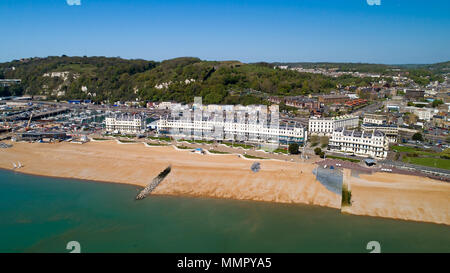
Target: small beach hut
(370, 162)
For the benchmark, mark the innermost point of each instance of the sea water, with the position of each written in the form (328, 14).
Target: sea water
(41, 214)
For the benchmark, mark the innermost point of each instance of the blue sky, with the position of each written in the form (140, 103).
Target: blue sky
(396, 31)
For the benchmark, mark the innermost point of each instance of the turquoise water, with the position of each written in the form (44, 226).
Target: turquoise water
(39, 214)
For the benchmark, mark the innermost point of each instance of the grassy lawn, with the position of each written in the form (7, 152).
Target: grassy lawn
(429, 162)
(98, 139)
(155, 144)
(217, 152)
(343, 158)
(203, 141)
(126, 136)
(126, 141)
(185, 148)
(253, 157)
(245, 146)
(282, 151)
(160, 138)
(418, 151)
(423, 157)
(197, 141)
(404, 149)
(186, 140)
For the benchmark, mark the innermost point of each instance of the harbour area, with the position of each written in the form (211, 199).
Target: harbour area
(229, 176)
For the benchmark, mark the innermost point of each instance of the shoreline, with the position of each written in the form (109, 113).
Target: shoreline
(70, 178)
(175, 195)
(341, 210)
(221, 177)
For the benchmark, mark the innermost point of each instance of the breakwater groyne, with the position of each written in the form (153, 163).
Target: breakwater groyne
(155, 182)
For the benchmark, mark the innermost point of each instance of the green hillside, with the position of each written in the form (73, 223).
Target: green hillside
(179, 79)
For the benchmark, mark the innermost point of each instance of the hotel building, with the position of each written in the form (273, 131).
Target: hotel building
(254, 124)
(125, 124)
(374, 119)
(390, 131)
(362, 143)
(326, 126)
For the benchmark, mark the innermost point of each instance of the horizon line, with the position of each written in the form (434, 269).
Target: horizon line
(232, 60)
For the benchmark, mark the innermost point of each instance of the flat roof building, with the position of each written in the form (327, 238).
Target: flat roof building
(414, 94)
(326, 126)
(326, 99)
(36, 136)
(374, 119)
(391, 131)
(128, 124)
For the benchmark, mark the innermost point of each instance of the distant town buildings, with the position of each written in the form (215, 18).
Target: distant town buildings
(421, 113)
(299, 102)
(326, 99)
(412, 94)
(8, 82)
(164, 105)
(333, 72)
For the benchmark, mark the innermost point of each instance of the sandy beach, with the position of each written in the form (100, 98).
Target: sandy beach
(219, 176)
(228, 176)
(399, 196)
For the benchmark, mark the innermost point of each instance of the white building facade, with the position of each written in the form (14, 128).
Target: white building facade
(422, 113)
(362, 143)
(125, 124)
(164, 105)
(374, 119)
(326, 126)
(255, 124)
(390, 131)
